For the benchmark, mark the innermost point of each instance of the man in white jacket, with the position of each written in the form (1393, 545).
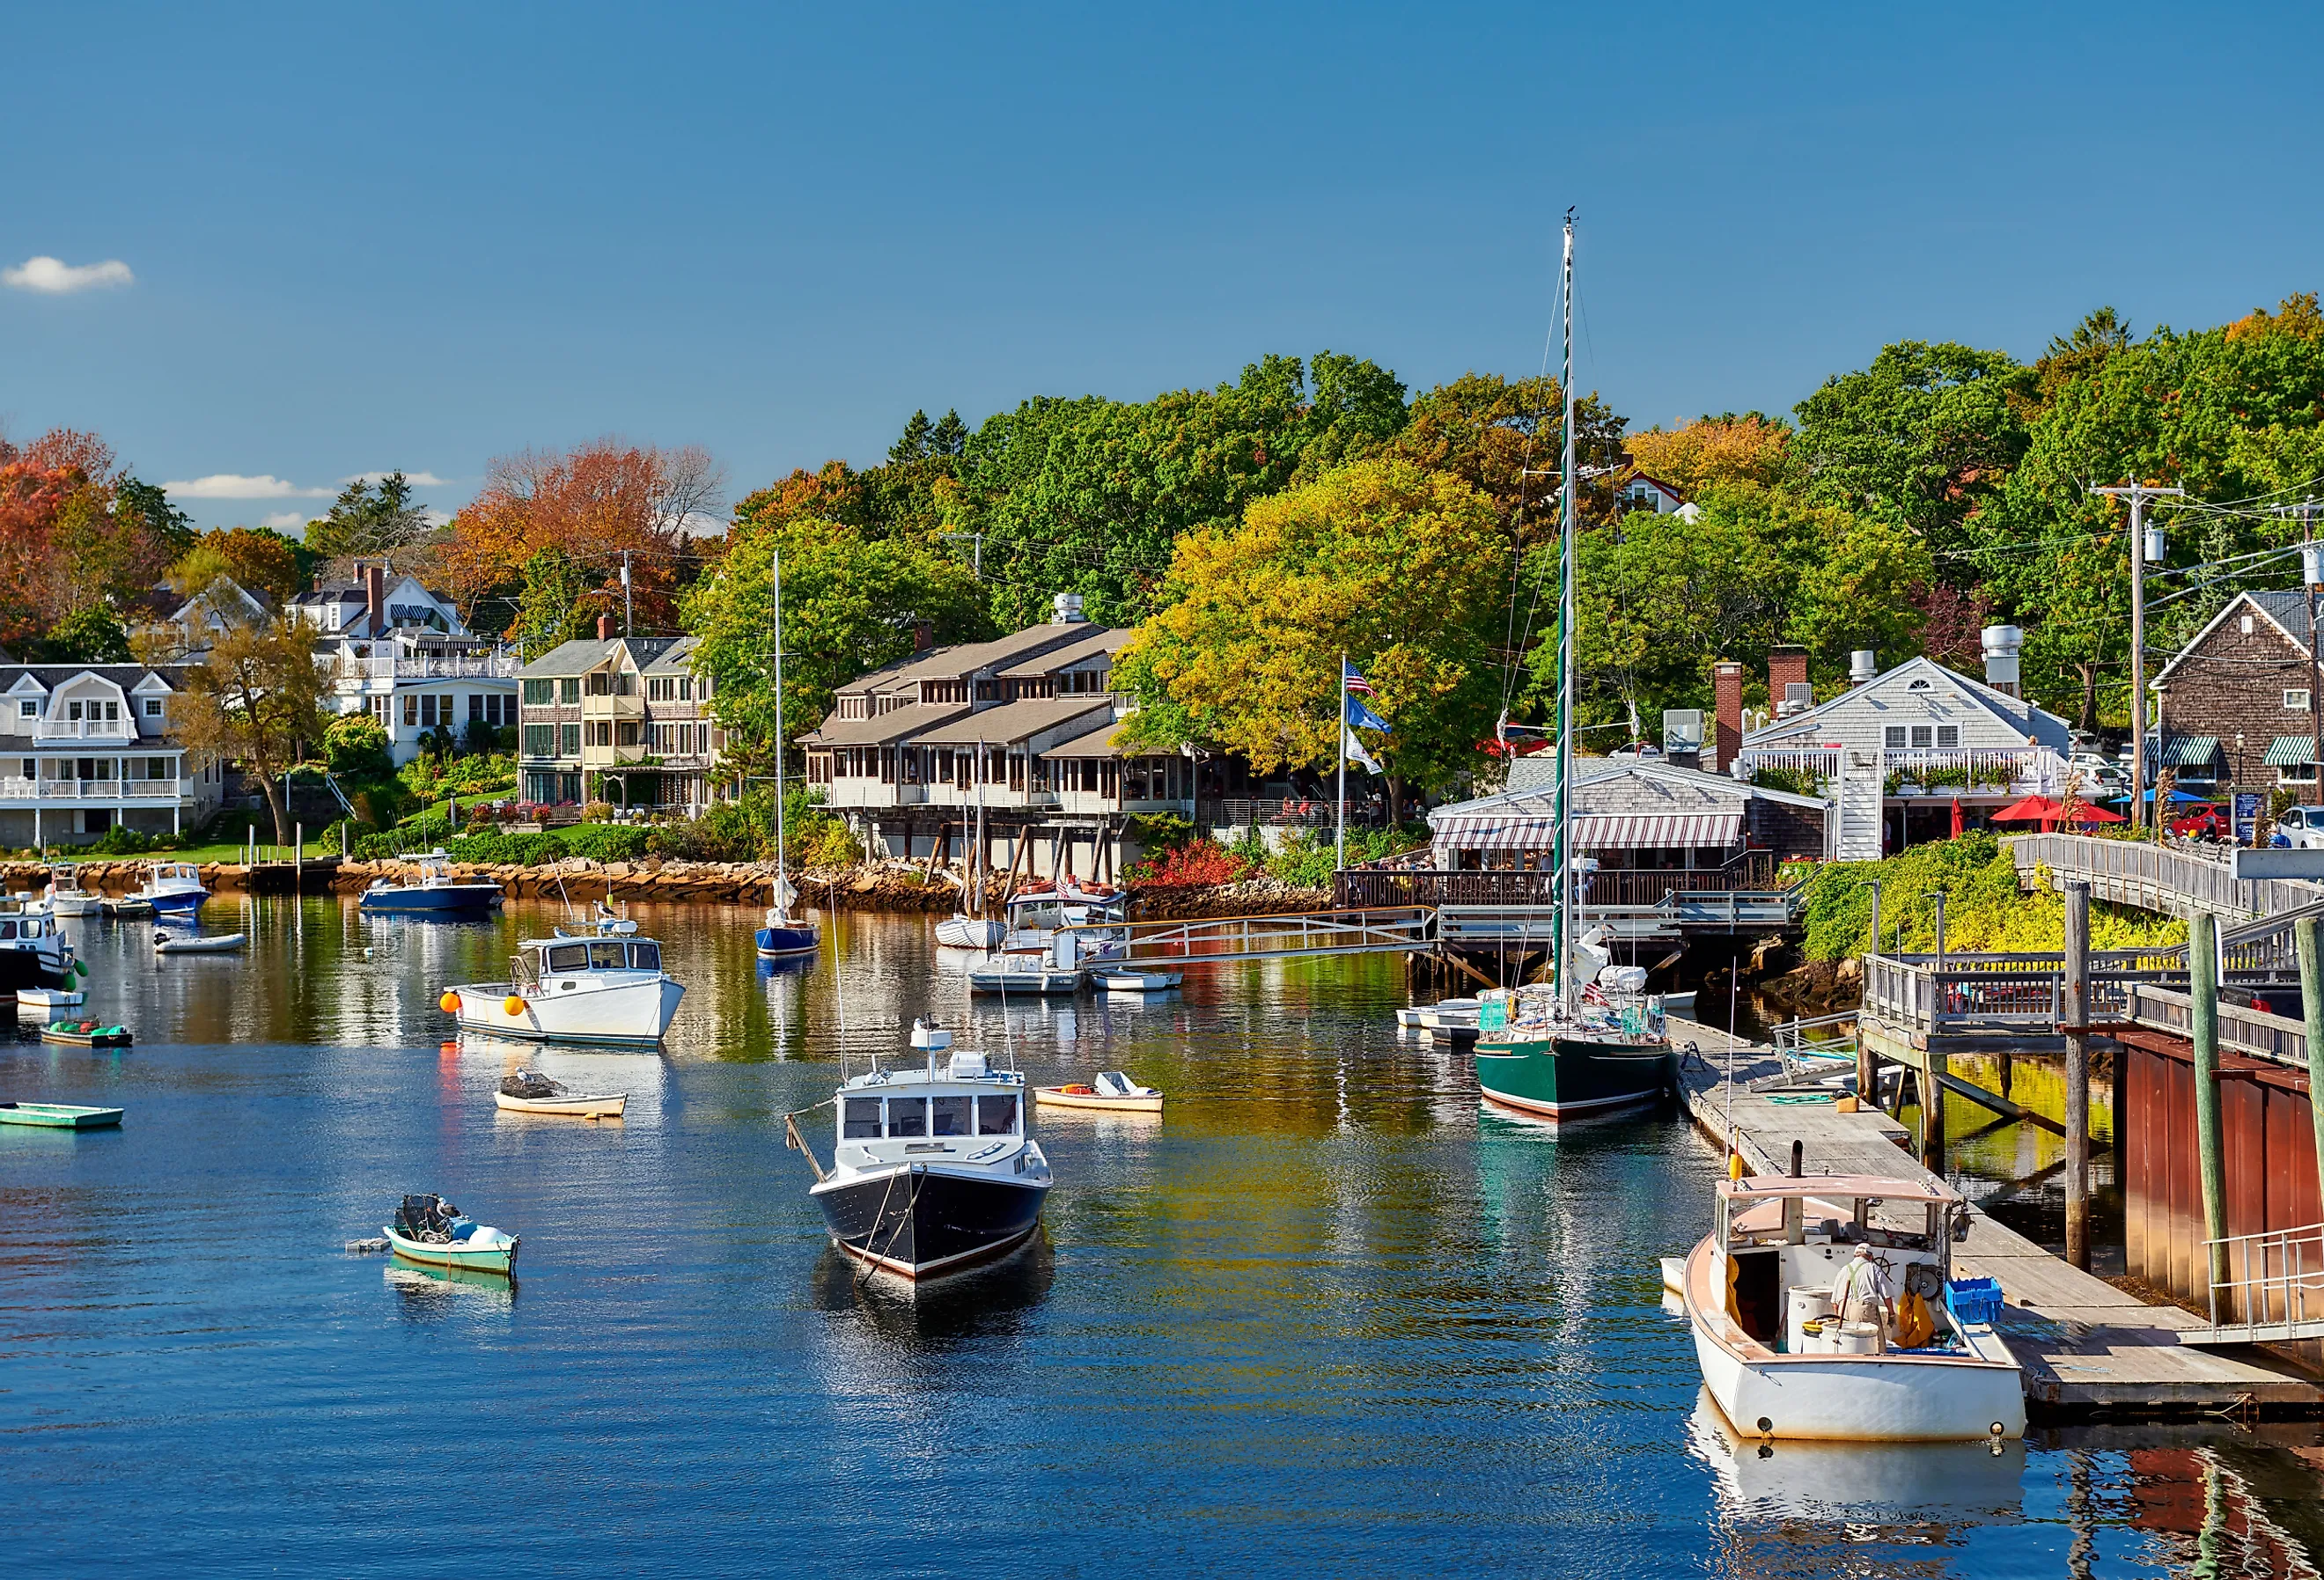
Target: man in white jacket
(1861, 1294)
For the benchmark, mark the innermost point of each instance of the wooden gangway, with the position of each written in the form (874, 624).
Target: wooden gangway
(2171, 880)
(1292, 935)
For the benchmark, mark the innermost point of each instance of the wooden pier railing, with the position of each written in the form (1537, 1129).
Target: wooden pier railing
(1376, 886)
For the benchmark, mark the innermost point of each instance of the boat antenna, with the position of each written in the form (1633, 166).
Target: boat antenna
(1563, 914)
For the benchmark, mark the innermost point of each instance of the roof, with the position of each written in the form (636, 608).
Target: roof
(1099, 742)
(128, 677)
(583, 654)
(897, 724)
(1596, 796)
(1017, 721)
(2287, 611)
(2019, 715)
(1102, 643)
(1619, 803)
(677, 659)
(1884, 1188)
(970, 657)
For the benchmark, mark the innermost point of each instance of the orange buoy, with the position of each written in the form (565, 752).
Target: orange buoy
(449, 1004)
(512, 1004)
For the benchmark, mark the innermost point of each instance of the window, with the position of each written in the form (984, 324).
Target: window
(541, 740)
(569, 957)
(686, 688)
(569, 740)
(536, 693)
(861, 1122)
(73, 710)
(601, 733)
(907, 1116)
(608, 957)
(30, 707)
(476, 707)
(2247, 625)
(153, 707)
(645, 957)
(113, 713)
(1922, 736)
(2295, 698)
(1949, 736)
(948, 1116)
(411, 713)
(568, 690)
(625, 734)
(600, 684)
(996, 1116)
(1893, 737)
(157, 768)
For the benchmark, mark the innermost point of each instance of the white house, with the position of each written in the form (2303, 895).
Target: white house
(1640, 491)
(1895, 753)
(86, 747)
(402, 654)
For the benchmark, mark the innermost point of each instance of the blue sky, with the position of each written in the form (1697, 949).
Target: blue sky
(423, 236)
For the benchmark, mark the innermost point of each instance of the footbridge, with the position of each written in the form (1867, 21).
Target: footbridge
(2174, 880)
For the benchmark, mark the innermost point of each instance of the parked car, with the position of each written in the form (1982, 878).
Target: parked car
(2302, 828)
(2210, 821)
(2099, 777)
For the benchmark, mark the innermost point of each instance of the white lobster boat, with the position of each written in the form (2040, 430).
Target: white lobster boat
(604, 986)
(66, 897)
(1779, 1365)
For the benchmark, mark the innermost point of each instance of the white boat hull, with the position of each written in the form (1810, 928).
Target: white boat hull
(1025, 982)
(1140, 981)
(48, 998)
(217, 944)
(76, 904)
(1147, 1102)
(971, 932)
(638, 1012)
(601, 1107)
(1881, 1399)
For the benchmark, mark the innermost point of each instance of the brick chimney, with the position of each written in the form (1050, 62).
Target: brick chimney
(375, 599)
(604, 628)
(1787, 667)
(923, 636)
(1727, 692)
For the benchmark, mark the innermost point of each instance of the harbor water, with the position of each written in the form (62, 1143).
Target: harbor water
(1325, 1318)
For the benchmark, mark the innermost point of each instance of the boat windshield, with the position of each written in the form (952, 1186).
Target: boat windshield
(566, 957)
(987, 1114)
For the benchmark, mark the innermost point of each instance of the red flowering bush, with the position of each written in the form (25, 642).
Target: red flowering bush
(1198, 863)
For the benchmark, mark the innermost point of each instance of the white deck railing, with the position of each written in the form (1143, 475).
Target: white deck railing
(89, 790)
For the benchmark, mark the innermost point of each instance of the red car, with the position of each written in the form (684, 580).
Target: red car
(2205, 822)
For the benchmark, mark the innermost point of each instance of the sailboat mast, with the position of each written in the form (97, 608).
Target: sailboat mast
(1565, 496)
(782, 903)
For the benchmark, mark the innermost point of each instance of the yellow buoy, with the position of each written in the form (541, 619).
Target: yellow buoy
(512, 1004)
(1734, 1164)
(449, 1004)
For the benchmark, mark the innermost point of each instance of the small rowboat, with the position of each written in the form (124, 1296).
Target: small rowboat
(58, 1116)
(531, 1092)
(429, 1229)
(1140, 981)
(1030, 978)
(1112, 1091)
(129, 905)
(85, 1034)
(199, 944)
(48, 998)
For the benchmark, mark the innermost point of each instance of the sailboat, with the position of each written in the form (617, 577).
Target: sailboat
(971, 928)
(781, 936)
(1573, 1049)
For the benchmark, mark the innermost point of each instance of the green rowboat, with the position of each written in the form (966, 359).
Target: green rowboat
(85, 1034)
(58, 1116)
(487, 1250)
(1573, 1077)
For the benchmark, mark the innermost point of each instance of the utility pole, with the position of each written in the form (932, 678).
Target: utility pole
(976, 551)
(625, 593)
(2139, 494)
(2311, 575)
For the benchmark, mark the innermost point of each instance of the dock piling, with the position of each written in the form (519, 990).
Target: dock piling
(2077, 1008)
(2305, 934)
(2203, 978)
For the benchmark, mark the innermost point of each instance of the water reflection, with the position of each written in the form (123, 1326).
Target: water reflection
(436, 1294)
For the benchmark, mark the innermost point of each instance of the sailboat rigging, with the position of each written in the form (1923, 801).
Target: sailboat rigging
(783, 937)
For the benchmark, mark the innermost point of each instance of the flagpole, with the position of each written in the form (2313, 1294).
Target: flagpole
(1565, 504)
(1339, 847)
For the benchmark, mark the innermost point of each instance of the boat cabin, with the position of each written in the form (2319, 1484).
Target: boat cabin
(565, 964)
(955, 1107)
(1781, 1233)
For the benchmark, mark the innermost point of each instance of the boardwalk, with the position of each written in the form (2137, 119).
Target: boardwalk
(2086, 1345)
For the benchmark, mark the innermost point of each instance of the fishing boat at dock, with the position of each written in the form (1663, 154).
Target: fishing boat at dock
(606, 985)
(934, 1169)
(169, 886)
(1781, 1363)
(64, 895)
(434, 891)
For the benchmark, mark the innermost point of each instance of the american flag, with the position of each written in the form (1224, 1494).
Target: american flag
(1356, 684)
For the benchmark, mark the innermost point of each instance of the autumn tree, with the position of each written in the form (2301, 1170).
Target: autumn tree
(851, 603)
(259, 560)
(256, 697)
(1377, 560)
(557, 605)
(1502, 437)
(76, 530)
(1695, 456)
(591, 503)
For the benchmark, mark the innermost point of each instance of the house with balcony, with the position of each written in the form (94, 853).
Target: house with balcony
(1898, 751)
(86, 748)
(402, 654)
(591, 715)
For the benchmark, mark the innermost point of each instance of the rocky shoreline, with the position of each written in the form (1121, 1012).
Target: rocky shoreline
(887, 886)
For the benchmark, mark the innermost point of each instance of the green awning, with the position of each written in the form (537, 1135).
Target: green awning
(2286, 750)
(2190, 751)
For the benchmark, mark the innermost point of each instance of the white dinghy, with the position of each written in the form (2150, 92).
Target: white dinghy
(531, 1092)
(167, 943)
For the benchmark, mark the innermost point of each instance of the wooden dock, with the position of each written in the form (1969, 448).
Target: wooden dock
(2087, 1347)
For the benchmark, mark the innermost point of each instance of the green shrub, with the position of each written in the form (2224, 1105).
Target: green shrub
(1798, 781)
(604, 842)
(1157, 832)
(119, 841)
(355, 747)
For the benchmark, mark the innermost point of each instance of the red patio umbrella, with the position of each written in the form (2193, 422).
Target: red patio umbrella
(2089, 814)
(2027, 810)
(1956, 818)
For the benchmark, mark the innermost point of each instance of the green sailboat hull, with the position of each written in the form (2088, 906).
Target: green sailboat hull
(1569, 1077)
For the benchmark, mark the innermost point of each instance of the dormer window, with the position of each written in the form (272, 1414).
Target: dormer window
(28, 707)
(153, 707)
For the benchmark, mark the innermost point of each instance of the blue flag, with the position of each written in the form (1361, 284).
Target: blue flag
(1354, 688)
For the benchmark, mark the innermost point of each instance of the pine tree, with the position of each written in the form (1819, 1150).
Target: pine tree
(915, 442)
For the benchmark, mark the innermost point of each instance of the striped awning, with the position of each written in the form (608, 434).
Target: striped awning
(1625, 831)
(2189, 750)
(2286, 750)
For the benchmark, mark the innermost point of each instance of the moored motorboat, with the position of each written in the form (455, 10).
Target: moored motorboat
(531, 1092)
(65, 896)
(1111, 1092)
(58, 1116)
(435, 891)
(1023, 974)
(603, 986)
(429, 1229)
(971, 932)
(85, 1034)
(50, 998)
(1119, 980)
(933, 1168)
(168, 943)
(170, 886)
(1781, 1363)
(33, 951)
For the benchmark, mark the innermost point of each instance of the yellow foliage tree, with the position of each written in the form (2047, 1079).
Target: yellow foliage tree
(1717, 449)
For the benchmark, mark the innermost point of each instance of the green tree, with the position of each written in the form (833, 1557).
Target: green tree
(91, 634)
(851, 603)
(355, 748)
(559, 604)
(367, 519)
(1377, 560)
(256, 697)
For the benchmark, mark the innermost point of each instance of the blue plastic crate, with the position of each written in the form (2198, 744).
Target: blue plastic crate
(1975, 1299)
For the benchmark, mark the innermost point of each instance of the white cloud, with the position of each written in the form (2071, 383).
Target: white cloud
(55, 277)
(282, 520)
(233, 485)
(417, 479)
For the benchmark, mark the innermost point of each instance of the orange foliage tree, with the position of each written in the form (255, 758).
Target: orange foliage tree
(1751, 448)
(75, 532)
(592, 503)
